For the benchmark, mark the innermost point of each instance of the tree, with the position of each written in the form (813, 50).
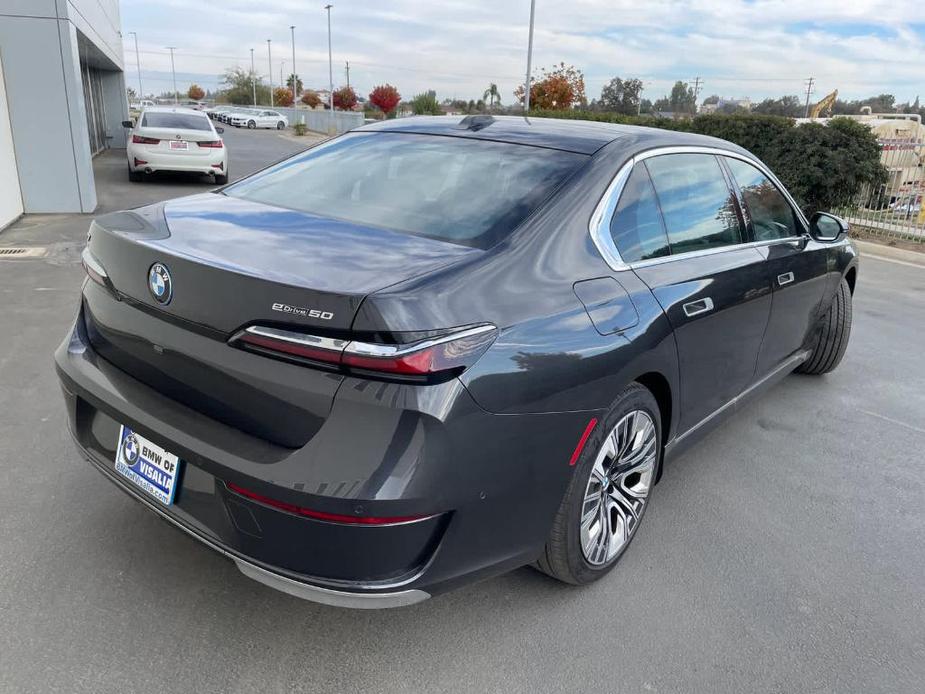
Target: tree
(788, 106)
(558, 88)
(239, 87)
(130, 93)
(282, 96)
(345, 98)
(195, 92)
(491, 94)
(385, 97)
(682, 98)
(426, 104)
(621, 96)
(710, 100)
(645, 106)
(298, 81)
(310, 98)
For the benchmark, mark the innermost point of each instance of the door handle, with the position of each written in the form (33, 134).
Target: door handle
(695, 308)
(785, 278)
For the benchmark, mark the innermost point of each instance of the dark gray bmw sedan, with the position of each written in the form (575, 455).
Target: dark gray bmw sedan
(430, 350)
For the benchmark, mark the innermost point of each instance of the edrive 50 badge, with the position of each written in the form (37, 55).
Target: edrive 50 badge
(159, 283)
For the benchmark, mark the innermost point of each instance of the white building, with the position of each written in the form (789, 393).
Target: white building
(62, 101)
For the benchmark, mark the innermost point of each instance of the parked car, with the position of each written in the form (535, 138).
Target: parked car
(175, 139)
(261, 118)
(214, 111)
(430, 350)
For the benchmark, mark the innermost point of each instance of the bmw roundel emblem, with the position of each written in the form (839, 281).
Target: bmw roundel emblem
(159, 283)
(130, 449)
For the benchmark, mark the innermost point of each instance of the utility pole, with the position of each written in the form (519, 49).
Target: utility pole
(270, 68)
(141, 90)
(809, 90)
(697, 84)
(253, 77)
(529, 58)
(176, 94)
(295, 79)
(347, 69)
(282, 64)
(330, 76)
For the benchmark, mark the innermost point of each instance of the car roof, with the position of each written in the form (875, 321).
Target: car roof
(175, 109)
(585, 137)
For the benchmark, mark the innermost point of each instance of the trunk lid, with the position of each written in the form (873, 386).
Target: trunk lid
(233, 263)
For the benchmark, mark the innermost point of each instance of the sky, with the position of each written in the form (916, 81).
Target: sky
(738, 48)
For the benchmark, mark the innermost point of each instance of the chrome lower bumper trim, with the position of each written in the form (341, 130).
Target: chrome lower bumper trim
(327, 596)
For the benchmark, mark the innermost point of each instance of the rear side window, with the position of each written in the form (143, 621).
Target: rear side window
(176, 121)
(465, 191)
(698, 208)
(771, 215)
(636, 226)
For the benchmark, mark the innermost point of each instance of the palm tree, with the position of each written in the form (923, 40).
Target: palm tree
(491, 94)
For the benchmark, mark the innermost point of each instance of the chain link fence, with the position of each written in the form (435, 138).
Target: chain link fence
(894, 209)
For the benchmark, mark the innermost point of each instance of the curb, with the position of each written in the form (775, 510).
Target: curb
(882, 251)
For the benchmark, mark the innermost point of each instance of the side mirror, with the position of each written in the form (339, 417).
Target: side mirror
(219, 130)
(128, 124)
(827, 227)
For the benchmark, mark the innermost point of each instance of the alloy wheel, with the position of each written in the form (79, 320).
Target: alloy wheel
(618, 487)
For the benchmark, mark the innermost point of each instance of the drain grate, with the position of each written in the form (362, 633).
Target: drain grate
(9, 253)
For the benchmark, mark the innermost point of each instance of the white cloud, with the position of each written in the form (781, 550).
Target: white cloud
(757, 48)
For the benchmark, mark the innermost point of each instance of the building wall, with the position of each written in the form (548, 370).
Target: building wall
(43, 44)
(10, 195)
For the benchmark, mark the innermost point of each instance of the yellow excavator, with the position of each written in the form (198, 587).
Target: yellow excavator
(825, 105)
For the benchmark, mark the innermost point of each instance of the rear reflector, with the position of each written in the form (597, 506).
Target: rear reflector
(139, 140)
(452, 352)
(322, 515)
(140, 162)
(582, 441)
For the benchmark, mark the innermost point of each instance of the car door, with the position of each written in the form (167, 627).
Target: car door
(710, 281)
(796, 264)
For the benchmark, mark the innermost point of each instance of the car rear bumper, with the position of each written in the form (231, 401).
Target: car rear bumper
(486, 486)
(209, 163)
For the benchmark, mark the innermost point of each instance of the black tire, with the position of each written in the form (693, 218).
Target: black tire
(562, 557)
(251, 125)
(832, 335)
(280, 125)
(134, 176)
(221, 179)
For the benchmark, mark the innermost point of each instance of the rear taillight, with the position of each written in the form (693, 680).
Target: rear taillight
(213, 144)
(446, 354)
(322, 515)
(139, 140)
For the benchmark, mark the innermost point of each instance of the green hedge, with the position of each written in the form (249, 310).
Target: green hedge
(823, 166)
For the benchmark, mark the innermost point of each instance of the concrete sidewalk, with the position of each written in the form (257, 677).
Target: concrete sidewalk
(884, 252)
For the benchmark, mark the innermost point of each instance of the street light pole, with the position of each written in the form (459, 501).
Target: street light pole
(253, 77)
(330, 76)
(295, 79)
(176, 94)
(270, 66)
(529, 58)
(141, 90)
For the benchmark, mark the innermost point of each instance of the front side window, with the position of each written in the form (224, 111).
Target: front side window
(461, 190)
(698, 208)
(771, 215)
(175, 121)
(636, 226)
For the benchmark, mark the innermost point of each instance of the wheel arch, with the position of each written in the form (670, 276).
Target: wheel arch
(657, 384)
(851, 277)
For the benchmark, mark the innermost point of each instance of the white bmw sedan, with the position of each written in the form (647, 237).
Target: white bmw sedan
(259, 118)
(175, 139)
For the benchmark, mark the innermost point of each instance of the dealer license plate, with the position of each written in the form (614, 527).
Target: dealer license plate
(179, 144)
(147, 465)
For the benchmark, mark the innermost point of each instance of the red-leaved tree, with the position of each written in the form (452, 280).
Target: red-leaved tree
(311, 99)
(345, 99)
(282, 96)
(385, 97)
(195, 92)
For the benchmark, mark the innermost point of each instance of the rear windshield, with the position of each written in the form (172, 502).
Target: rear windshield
(176, 121)
(461, 190)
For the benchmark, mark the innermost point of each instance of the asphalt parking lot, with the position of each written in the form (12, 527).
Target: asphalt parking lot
(785, 553)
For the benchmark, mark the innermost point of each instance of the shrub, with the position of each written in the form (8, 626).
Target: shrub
(299, 128)
(823, 166)
(345, 98)
(311, 99)
(426, 104)
(282, 96)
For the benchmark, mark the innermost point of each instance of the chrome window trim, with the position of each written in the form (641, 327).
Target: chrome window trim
(599, 224)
